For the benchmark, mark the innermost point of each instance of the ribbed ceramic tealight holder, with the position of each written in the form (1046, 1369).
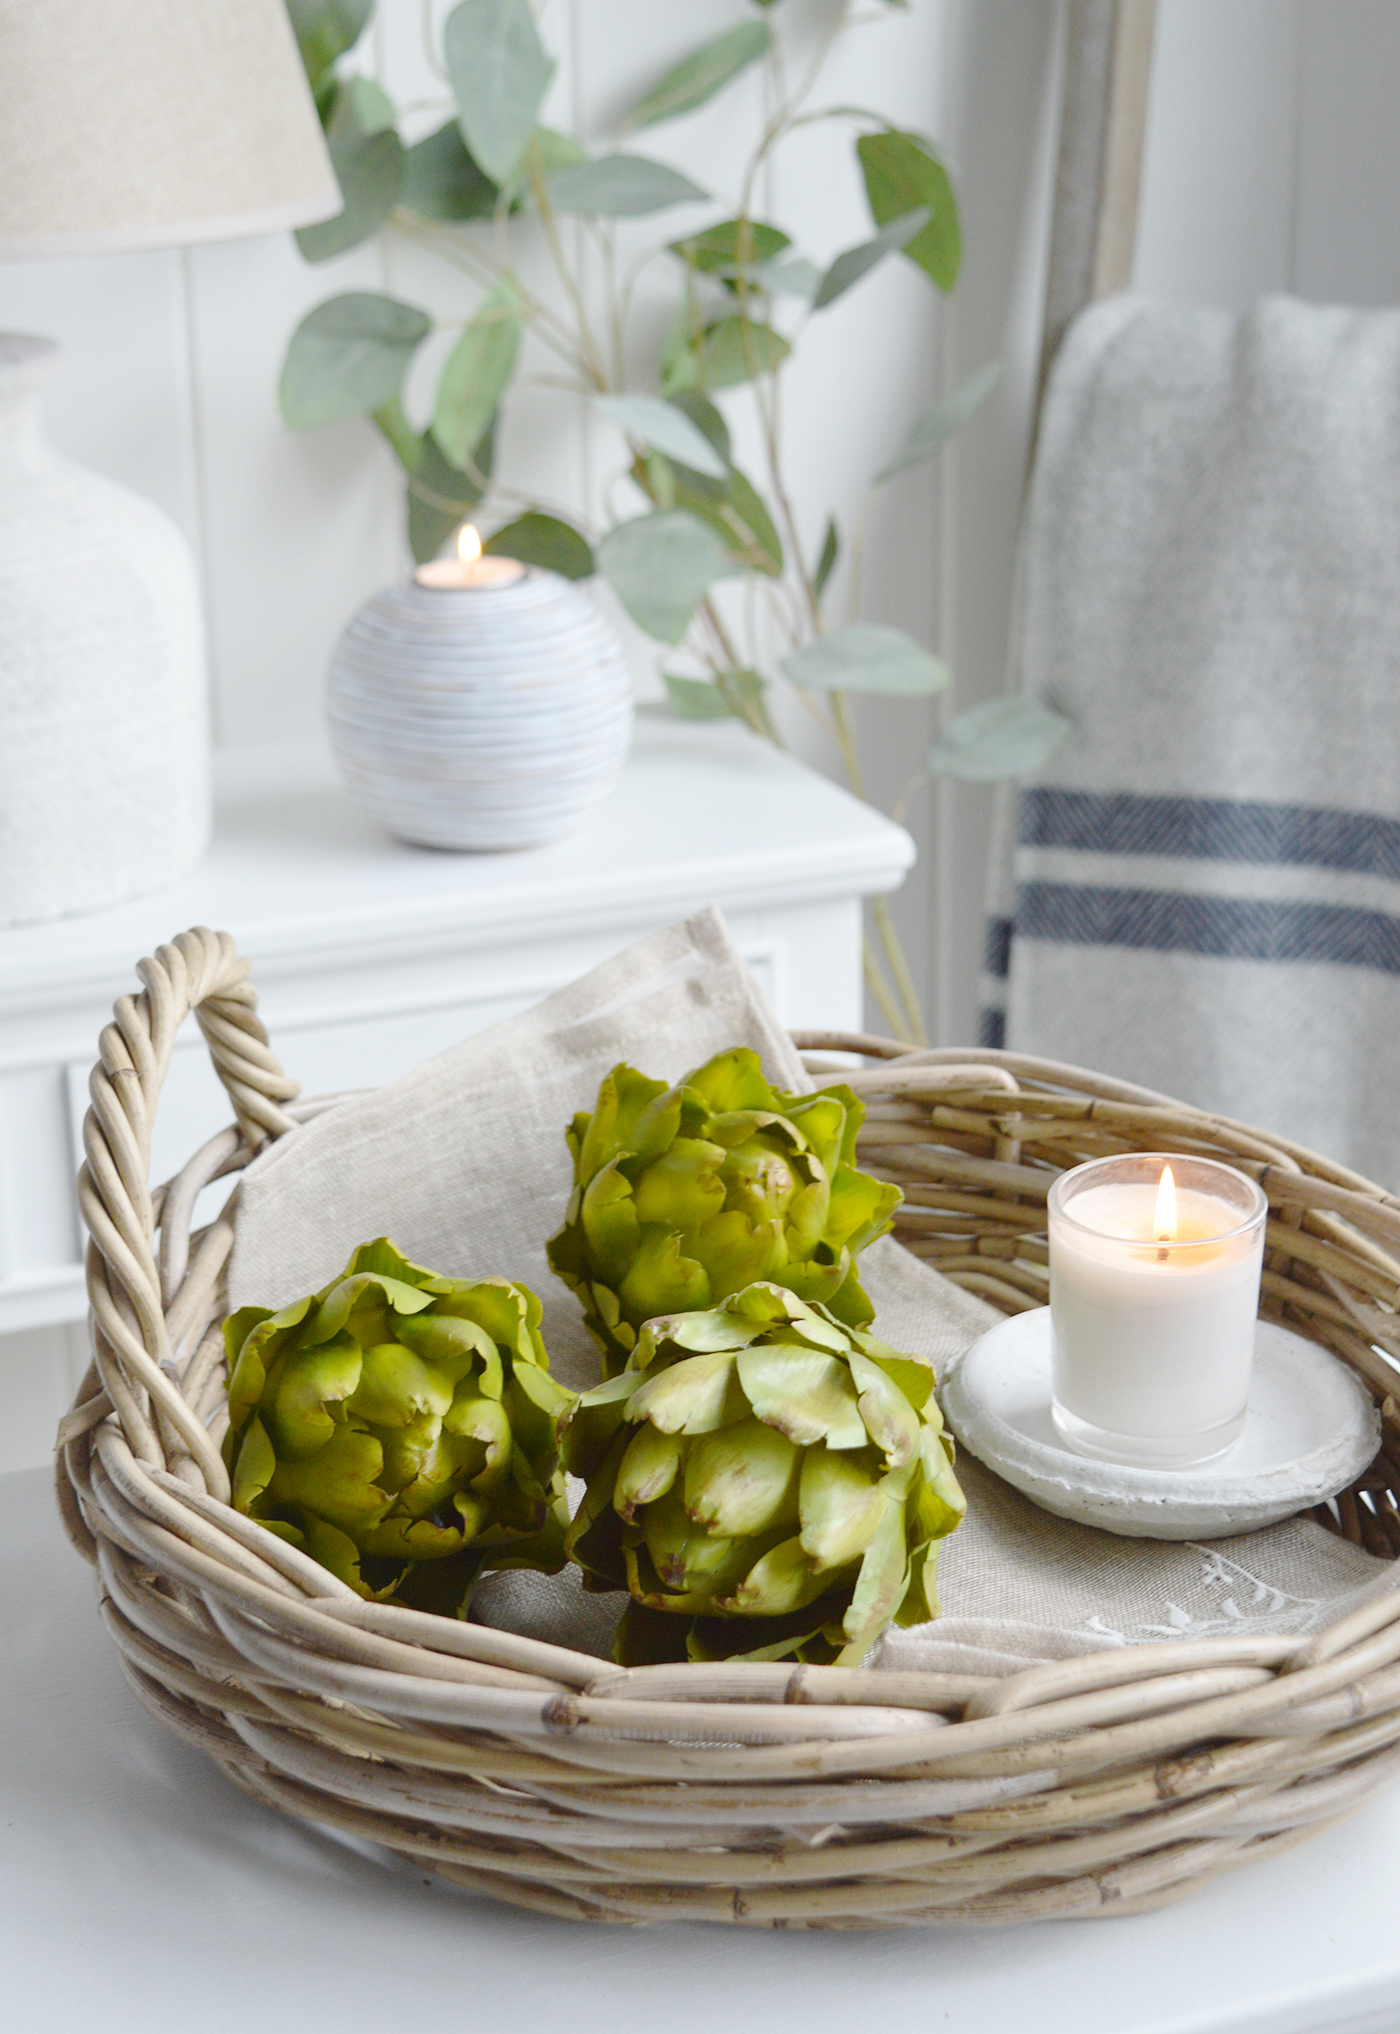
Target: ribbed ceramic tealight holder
(480, 716)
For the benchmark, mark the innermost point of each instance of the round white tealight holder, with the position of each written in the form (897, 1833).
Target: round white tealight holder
(481, 704)
(1311, 1428)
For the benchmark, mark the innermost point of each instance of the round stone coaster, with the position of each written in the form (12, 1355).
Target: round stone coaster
(1311, 1428)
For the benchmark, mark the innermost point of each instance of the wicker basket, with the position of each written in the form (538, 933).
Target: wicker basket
(766, 1795)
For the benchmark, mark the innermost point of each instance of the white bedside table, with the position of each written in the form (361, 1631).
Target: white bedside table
(370, 955)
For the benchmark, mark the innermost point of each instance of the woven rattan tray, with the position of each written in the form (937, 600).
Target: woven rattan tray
(770, 1796)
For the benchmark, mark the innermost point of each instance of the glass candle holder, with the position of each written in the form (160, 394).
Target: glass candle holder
(1155, 1260)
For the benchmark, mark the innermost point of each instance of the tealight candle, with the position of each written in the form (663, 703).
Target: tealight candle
(1155, 1262)
(470, 567)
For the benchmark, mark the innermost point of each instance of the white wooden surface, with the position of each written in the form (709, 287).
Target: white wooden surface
(370, 955)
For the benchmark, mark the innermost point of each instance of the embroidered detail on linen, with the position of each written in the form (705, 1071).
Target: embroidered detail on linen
(1235, 1603)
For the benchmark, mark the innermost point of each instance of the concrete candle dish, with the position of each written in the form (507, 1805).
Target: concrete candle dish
(1310, 1428)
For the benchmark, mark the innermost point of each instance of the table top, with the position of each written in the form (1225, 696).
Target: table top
(144, 1892)
(702, 814)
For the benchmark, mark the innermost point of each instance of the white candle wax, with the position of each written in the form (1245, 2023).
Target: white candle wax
(1153, 1329)
(456, 572)
(470, 569)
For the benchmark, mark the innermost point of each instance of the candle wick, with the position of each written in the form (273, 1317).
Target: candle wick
(1161, 1254)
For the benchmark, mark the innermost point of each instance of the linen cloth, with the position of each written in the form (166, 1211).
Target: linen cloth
(1201, 893)
(463, 1162)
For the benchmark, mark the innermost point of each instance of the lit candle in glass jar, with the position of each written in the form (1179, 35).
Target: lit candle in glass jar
(1155, 1262)
(469, 567)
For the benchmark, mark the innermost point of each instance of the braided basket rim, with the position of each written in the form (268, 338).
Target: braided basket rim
(765, 1795)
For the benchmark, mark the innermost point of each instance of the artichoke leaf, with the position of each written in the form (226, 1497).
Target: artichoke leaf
(731, 1080)
(781, 1581)
(688, 1562)
(806, 1395)
(456, 1346)
(386, 1260)
(940, 1503)
(594, 1424)
(862, 1208)
(701, 1333)
(609, 1215)
(742, 1479)
(914, 1377)
(736, 1252)
(890, 1420)
(339, 1483)
(254, 1466)
(484, 1420)
(335, 1550)
(647, 1470)
(396, 1388)
(682, 1188)
(849, 1301)
(841, 1508)
(307, 1384)
(693, 1396)
(880, 1587)
(623, 1099)
(761, 1182)
(920, 1603)
(823, 1118)
(663, 1278)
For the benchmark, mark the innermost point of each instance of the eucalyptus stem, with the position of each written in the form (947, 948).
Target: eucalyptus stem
(596, 367)
(912, 1029)
(875, 982)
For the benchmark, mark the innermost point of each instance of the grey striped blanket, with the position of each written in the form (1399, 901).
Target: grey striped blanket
(1202, 892)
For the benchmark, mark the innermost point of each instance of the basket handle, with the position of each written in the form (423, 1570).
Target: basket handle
(198, 971)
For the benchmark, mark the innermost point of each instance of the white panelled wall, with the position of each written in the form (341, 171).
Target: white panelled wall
(1273, 161)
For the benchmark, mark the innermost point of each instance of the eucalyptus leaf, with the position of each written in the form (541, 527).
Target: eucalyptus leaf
(348, 358)
(441, 496)
(695, 698)
(930, 432)
(734, 246)
(476, 373)
(661, 567)
(557, 151)
(791, 275)
(1002, 738)
(361, 107)
(706, 418)
(848, 268)
(867, 657)
(735, 350)
(548, 541)
(369, 170)
(440, 180)
(621, 187)
(826, 563)
(902, 172)
(700, 699)
(325, 29)
(666, 428)
(500, 73)
(700, 76)
(733, 509)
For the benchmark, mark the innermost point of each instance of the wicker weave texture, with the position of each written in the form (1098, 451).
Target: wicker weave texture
(764, 1795)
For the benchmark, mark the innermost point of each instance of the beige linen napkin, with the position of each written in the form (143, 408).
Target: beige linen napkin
(463, 1162)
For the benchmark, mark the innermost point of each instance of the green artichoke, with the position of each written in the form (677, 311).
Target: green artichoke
(402, 1428)
(765, 1482)
(684, 1195)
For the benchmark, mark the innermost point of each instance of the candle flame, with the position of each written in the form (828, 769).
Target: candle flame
(468, 545)
(1164, 1221)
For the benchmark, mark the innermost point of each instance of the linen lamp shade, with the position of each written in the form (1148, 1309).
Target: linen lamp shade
(124, 124)
(153, 123)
